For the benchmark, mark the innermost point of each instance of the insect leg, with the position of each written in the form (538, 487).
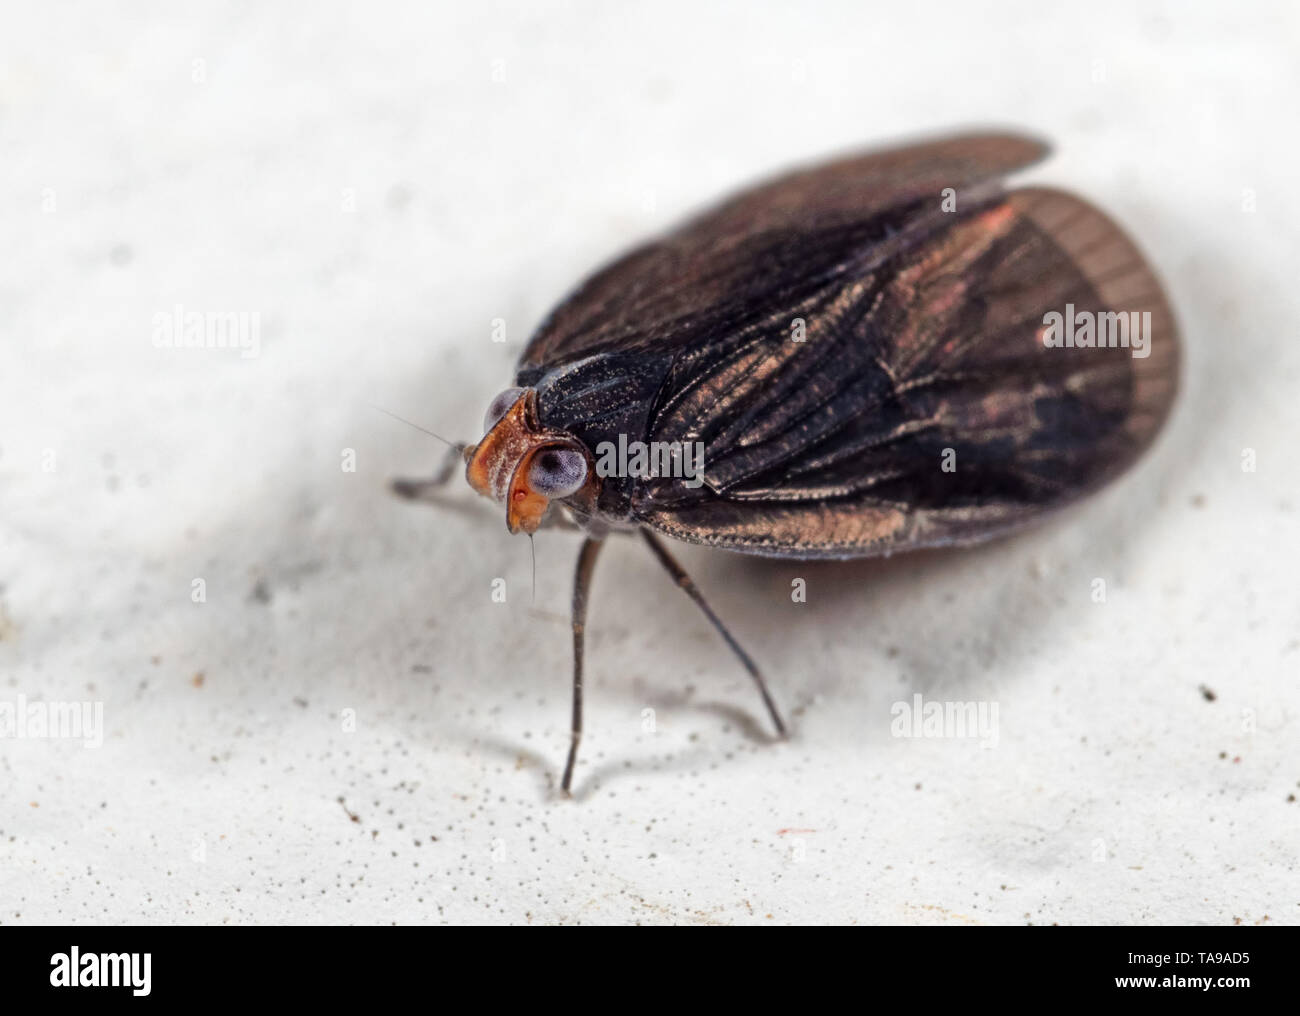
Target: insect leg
(416, 489)
(688, 585)
(581, 584)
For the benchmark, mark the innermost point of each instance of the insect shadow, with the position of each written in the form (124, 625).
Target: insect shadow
(755, 593)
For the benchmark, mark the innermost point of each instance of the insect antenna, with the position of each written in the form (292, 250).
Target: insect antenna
(423, 430)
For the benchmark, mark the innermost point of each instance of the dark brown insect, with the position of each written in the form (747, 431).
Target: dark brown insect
(886, 352)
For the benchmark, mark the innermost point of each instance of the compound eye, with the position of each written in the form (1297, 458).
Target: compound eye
(500, 406)
(557, 472)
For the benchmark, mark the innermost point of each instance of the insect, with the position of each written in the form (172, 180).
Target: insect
(886, 352)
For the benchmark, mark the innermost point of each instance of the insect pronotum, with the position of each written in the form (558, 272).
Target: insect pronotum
(882, 353)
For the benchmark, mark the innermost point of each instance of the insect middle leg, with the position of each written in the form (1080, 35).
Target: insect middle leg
(688, 586)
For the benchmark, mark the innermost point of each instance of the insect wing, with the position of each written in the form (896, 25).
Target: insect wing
(924, 405)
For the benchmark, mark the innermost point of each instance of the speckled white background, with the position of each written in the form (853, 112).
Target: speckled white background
(355, 175)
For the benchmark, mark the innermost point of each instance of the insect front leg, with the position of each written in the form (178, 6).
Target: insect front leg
(417, 489)
(688, 586)
(581, 585)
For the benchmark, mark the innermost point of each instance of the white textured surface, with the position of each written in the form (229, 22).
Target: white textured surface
(130, 187)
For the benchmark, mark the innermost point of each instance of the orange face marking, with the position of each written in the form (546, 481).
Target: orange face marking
(493, 460)
(497, 467)
(526, 507)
